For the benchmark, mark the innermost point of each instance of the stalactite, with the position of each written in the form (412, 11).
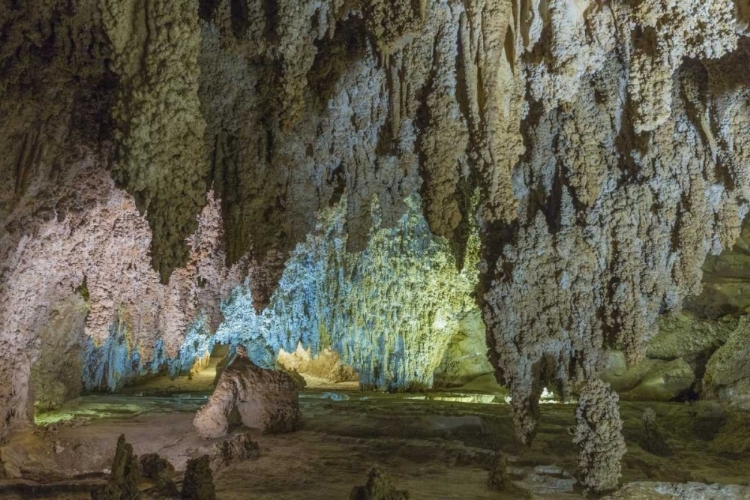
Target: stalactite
(389, 311)
(606, 141)
(620, 196)
(160, 155)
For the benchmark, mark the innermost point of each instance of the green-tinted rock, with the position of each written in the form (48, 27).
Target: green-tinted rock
(727, 374)
(684, 335)
(378, 487)
(499, 479)
(652, 439)
(123, 481)
(649, 380)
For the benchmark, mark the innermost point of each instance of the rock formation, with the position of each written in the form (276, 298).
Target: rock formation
(498, 478)
(124, 477)
(101, 253)
(377, 308)
(465, 357)
(669, 491)
(198, 482)
(650, 379)
(652, 439)
(247, 394)
(158, 126)
(727, 372)
(235, 449)
(378, 487)
(160, 471)
(326, 365)
(615, 186)
(349, 164)
(155, 467)
(598, 436)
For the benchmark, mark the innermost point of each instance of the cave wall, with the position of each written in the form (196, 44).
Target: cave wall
(393, 312)
(390, 311)
(605, 141)
(99, 256)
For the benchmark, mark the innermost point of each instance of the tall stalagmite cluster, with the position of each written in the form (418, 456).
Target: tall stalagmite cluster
(606, 141)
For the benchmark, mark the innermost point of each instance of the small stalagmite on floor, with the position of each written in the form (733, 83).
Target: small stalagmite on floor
(123, 481)
(499, 479)
(652, 439)
(378, 487)
(198, 483)
(160, 471)
(248, 394)
(235, 449)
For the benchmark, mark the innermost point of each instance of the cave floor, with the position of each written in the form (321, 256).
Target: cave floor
(435, 448)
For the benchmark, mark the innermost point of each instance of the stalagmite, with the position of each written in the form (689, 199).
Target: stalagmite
(599, 437)
(498, 478)
(124, 477)
(247, 394)
(652, 439)
(198, 483)
(378, 487)
(235, 449)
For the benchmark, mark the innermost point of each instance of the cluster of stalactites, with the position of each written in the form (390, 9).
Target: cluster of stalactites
(389, 311)
(621, 192)
(132, 321)
(159, 128)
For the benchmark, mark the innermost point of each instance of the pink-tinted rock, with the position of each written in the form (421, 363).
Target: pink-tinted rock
(104, 250)
(247, 393)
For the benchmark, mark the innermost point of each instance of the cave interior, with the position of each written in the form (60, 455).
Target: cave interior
(375, 249)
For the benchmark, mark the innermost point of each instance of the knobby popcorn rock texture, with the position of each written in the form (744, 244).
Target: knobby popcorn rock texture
(584, 157)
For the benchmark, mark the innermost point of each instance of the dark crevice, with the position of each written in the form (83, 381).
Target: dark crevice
(206, 8)
(240, 17)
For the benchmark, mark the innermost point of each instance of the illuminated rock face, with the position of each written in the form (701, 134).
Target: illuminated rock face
(326, 365)
(606, 141)
(389, 311)
(82, 304)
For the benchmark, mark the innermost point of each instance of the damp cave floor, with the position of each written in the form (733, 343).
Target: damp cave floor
(436, 449)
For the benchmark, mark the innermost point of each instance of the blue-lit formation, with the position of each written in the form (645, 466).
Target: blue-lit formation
(389, 311)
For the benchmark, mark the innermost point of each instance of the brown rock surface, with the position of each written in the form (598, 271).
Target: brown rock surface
(258, 398)
(198, 483)
(378, 487)
(124, 476)
(599, 438)
(235, 449)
